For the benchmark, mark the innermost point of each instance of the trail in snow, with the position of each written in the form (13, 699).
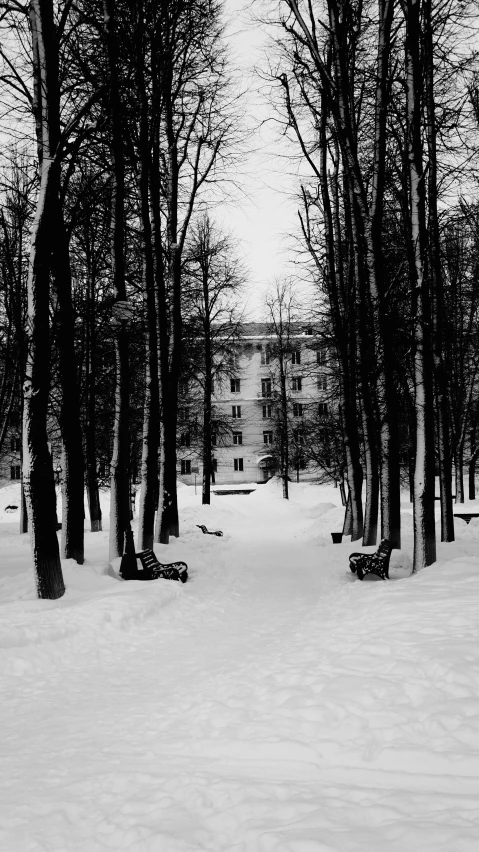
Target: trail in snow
(273, 703)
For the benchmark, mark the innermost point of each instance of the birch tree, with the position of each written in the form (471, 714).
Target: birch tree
(38, 478)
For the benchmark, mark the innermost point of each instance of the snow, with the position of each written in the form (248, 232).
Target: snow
(273, 703)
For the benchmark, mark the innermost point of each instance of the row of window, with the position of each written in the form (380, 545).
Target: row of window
(235, 386)
(186, 466)
(298, 411)
(185, 438)
(266, 385)
(321, 356)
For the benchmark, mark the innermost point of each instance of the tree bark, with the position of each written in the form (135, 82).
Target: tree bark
(472, 466)
(424, 520)
(38, 478)
(93, 492)
(151, 424)
(437, 285)
(459, 472)
(119, 467)
(72, 476)
(207, 407)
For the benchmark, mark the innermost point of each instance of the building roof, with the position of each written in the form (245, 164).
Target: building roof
(255, 330)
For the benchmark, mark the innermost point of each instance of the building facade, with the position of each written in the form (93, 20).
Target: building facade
(247, 407)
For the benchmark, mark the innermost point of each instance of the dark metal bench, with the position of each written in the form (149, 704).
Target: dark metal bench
(466, 516)
(377, 563)
(208, 532)
(231, 491)
(155, 570)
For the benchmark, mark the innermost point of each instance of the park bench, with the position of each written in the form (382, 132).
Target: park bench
(155, 570)
(376, 564)
(233, 491)
(205, 531)
(466, 516)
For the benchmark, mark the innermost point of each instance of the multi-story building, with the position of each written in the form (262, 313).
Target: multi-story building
(247, 407)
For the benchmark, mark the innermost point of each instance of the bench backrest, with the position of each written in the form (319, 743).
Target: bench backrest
(384, 549)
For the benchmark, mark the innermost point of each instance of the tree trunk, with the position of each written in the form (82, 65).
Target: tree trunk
(161, 303)
(348, 518)
(72, 476)
(119, 467)
(151, 425)
(389, 470)
(342, 314)
(38, 479)
(459, 472)
(169, 520)
(472, 470)
(438, 309)
(207, 413)
(284, 426)
(424, 519)
(93, 492)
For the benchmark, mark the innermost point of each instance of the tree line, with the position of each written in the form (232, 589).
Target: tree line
(109, 261)
(379, 101)
(134, 118)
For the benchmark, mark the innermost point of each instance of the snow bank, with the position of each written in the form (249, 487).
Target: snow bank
(276, 704)
(37, 633)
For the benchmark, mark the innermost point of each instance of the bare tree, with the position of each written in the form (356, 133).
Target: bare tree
(214, 278)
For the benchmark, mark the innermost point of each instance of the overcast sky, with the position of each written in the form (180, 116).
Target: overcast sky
(264, 217)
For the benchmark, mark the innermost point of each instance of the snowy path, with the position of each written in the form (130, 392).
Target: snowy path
(272, 704)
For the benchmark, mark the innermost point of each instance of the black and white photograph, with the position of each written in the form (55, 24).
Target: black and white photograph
(239, 425)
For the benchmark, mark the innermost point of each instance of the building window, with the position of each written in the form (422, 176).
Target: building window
(266, 412)
(237, 437)
(235, 385)
(236, 411)
(265, 355)
(297, 409)
(185, 439)
(184, 414)
(265, 387)
(322, 408)
(297, 383)
(298, 436)
(214, 465)
(308, 330)
(213, 439)
(267, 437)
(322, 383)
(15, 471)
(296, 356)
(15, 445)
(185, 467)
(238, 464)
(321, 357)
(212, 386)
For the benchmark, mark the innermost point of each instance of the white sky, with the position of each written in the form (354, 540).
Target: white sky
(265, 217)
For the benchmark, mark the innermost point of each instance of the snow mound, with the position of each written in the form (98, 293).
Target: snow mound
(36, 633)
(318, 510)
(400, 565)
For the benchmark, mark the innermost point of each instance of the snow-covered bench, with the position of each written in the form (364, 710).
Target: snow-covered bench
(208, 532)
(466, 516)
(155, 570)
(376, 564)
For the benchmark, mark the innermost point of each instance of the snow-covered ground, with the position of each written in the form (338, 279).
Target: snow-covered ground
(273, 703)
